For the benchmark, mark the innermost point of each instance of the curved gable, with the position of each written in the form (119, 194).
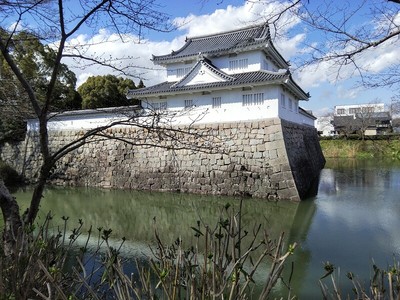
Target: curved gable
(202, 73)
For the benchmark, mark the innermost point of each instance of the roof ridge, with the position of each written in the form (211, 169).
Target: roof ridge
(221, 33)
(279, 72)
(239, 39)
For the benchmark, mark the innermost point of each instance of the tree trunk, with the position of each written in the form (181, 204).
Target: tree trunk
(47, 165)
(12, 219)
(35, 201)
(38, 192)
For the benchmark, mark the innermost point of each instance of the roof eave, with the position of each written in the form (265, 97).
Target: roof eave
(306, 113)
(167, 61)
(205, 89)
(295, 89)
(271, 50)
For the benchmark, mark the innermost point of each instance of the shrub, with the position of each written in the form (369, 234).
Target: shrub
(384, 284)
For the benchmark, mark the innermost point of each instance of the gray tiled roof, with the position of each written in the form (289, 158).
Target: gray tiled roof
(227, 41)
(249, 78)
(308, 113)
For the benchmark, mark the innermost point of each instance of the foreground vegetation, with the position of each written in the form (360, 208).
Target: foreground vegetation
(53, 262)
(355, 148)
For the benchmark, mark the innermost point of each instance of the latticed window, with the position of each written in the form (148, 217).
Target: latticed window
(253, 99)
(283, 100)
(180, 72)
(216, 102)
(290, 104)
(247, 100)
(159, 106)
(188, 103)
(238, 64)
(258, 99)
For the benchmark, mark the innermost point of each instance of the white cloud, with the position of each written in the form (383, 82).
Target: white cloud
(323, 111)
(382, 57)
(344, 92)
(82, 77)
(131, 54)
(16, 27)
(106, 45)
(232, 17)
(314, 75)
(290, 47)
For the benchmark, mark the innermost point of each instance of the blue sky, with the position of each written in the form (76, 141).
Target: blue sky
(327, 85)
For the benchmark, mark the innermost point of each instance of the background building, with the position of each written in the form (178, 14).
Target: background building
(364, 119)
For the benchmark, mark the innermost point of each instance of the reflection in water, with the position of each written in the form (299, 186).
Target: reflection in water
(356, 221)
(132, 214)
(353, 220)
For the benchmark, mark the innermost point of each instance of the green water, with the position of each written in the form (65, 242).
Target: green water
(134, 214)
(354, 219)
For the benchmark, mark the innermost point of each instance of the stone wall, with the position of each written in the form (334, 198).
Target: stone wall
(270, 159)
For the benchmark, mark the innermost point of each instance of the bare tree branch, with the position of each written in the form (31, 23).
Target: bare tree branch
(345, 42)
(54, 23)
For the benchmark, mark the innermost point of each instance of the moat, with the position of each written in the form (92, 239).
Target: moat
(352, 222)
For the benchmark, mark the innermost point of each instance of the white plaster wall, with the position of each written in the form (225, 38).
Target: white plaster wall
(255, 63)
(77, 122)
(231, 106)
(255, 59)
(172, 70)
(231, 110)
(291, 114)
(304, 119)
(68, 123)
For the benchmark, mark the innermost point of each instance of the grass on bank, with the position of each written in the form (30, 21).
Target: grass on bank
(349, 148)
